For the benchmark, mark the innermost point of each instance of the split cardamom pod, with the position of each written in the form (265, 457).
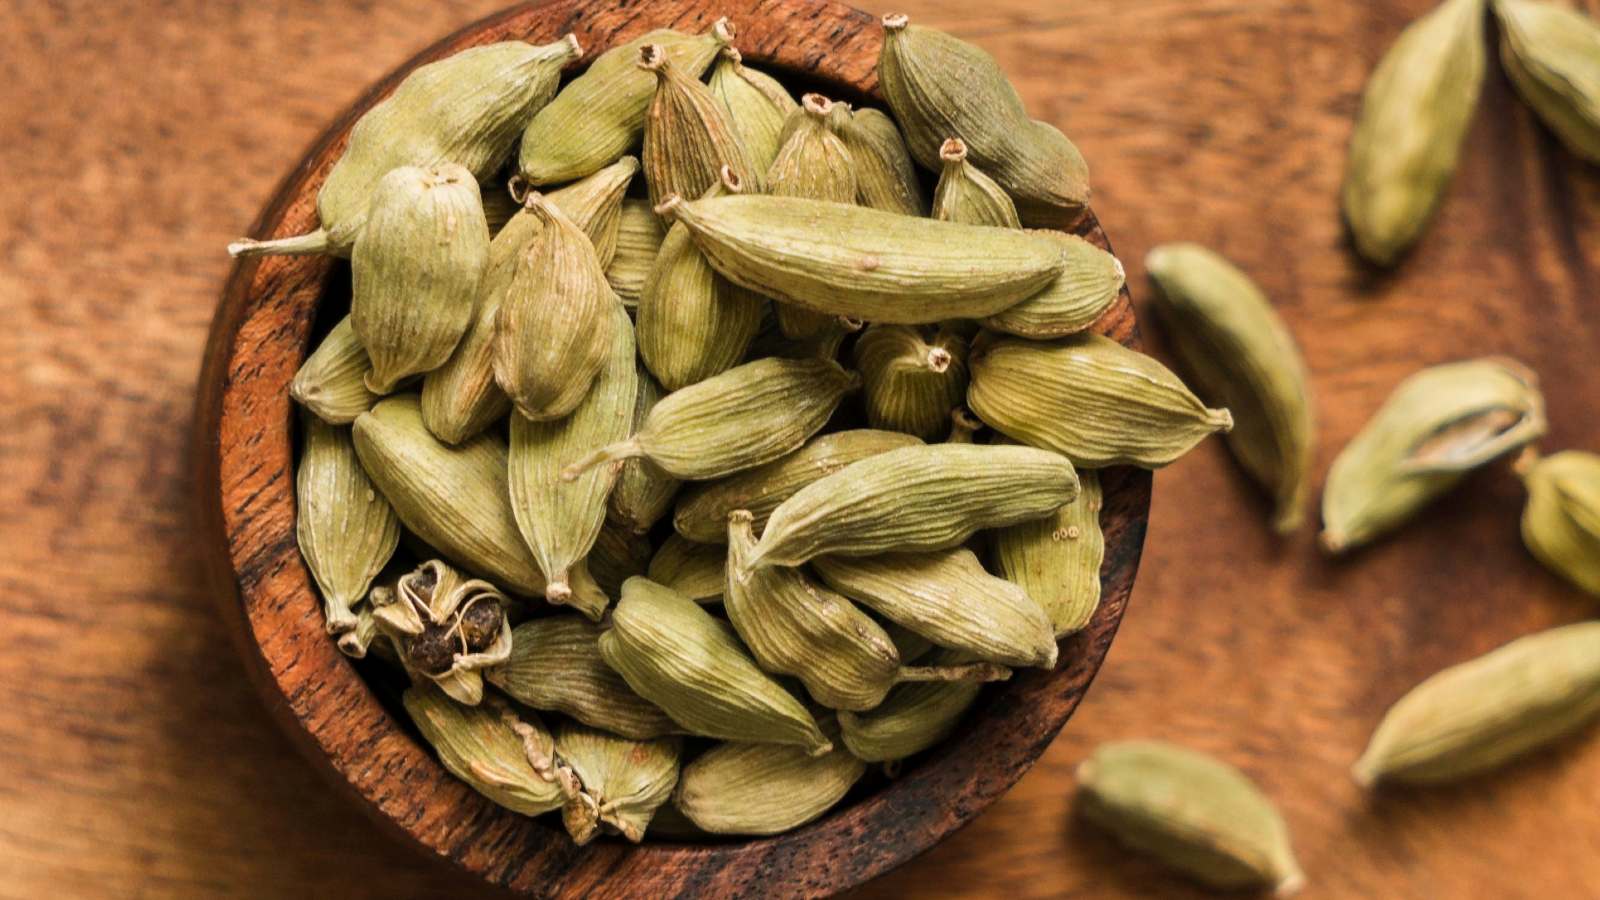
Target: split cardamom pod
(687, 137)
(1056, 559)
(346, 531)
(643, 493)
(965, 194)
(639, 236)
(748, 788)
(1550, 54)
(1561, 523)
(886, 179)
(331, 383)
(508, 758)
(621, 782)
(1090, 281)
(445, 628)
(912, 718)
(756, 103)
(697, 571)
(912, 377)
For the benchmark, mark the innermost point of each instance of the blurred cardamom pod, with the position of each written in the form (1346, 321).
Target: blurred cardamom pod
(1552, 56)
(346, 531)
(965, 194)
(1056, 559)
(621, 782)
(697, 571)
(332, 381)
(506, 757)
(886, 179)
(687, 137)
(757, 105)
(1561, 523)
(747, 788)
(1090, 281)
(639, 236)
(911, 377)
(643, 493)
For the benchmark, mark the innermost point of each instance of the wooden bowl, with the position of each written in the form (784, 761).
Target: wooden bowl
(244, 454)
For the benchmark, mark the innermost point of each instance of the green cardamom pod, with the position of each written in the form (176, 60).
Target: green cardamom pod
(912, 718)
(332, 381)
(861, 263)
(697, 571)
(508, 758)
(621, 782)
(676, 655)
(687, 137)
(1414, 116)
(465, 109)
(911, 377)
(1190, 812)
(644, 493)
(813, 163)
(594, 204)
(1561, 523)
(747, 788)
(1056, 560)
(1239, 355)
(1552, 56)
(415, 272)
(940, 87)
(445, 628)
(1438, 425)
(702, 511)
(619, 553)
(1088, 398)
(639, 236)
(886, 179)
(734, 421)
(346, 531)
(965, 194)
(756, 103)
(1090, 281)
(1483, 713)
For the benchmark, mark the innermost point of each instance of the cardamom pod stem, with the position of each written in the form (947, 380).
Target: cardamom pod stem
(965, 194)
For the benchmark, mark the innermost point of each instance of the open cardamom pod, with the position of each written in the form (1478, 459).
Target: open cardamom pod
(639, 236)
(1090, 281)
(331, 383)
(697, 571)
(749, 788)
(912, 377)
(687, 137)
(1552, 56)
(1056, 559)
(345, 529)
(643, 493)
(886, 179)
(445, 628)
(621, 782)
(757, 105)
(1561, 522)
(506, 757)
(965, 194)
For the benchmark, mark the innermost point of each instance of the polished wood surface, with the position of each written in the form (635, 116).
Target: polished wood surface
(140, 137)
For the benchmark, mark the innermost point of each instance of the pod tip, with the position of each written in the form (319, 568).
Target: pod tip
(893, 22)
(652, 57)
(816, 105)
(668, 208)
(953, 150)
(724, 30)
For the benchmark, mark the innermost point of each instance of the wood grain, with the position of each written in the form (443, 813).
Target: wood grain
(142, 136)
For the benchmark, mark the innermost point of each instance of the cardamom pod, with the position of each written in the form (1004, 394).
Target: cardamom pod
(1550, 54)
(455, 499)
(465, 109)
(1090, 281)
(639, 236)
(594, 204)
(697, 571)
(687, 137)
(912, 718)
(618, 554)
(911, 377)
(939, 87)
(1561, 523)
(507, 758)
(756, 103)
(1437, 426)
(965, 194)
(332, 381)
(861, 263)
(1056, 560)
(1485, 712)
(886, 179)
(600, 114)
(445, 628)
(1239, 354)
(621, 782)
(748, 788)
(414, 273)
(964, 427)
(345, 530)
(1190, 812)
(643, 493)
(1414, 116)
(702, 511)
(734, 421)
(555, 666)
(1088, 398)
(676, 655)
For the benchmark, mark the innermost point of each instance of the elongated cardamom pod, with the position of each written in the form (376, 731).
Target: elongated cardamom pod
(886, 179)
(1408, 137)
(1088, 398)
(560, 519)
(676, 655)
(508, 758)
(1438, 425)
(465, 109)
(332, 381)
(757, 105)
(445, 628)
(595, 205)
(346, 531)
(911, 377)
(1236, 351)
(1056, 559)
(639, 236)
(1483, 713)
(697, 571)
(415, 273)
(746, 788)
(687, 137)
(621, 782)
(1089, 283)
(600, 115)
(643, 493)
(555, 324)
(1561, 522)
(912, 718)
(555, 666)
(940, 87)
(1552, 56)
(734, 421)
(454, 498)
(619, 553)
(1190, 812)
(865, 264)
(965, 194)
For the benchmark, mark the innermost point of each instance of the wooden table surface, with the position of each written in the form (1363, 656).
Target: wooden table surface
(136, 138)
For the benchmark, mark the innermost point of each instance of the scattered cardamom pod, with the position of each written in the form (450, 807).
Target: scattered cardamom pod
(1552, 56)
(756, 103)
(507, 758)
(687, 137)
(1056, 559)
(621, 782)
(886, 179)
(1561, 523)
(1090, 281)
(697, 571)
(748, 788)
(619, 553)
(331, 383)
(643, 493)
(911, 377)
(594, 204)
(639, 236)
(965, 194)
(912, 718)
(445, 628)
(346, 531)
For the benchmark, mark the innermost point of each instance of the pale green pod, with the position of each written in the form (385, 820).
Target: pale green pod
(639, 236)
(1414, 115)
(886, 179)
(702, 511)
(345, 529)
(965, 194)
(619, 553)
(1056, 560)
(1488, 711)
(912, 718)
(508, 758)
(911, 377)
(697, 571)
(1561, 522)
(1552, 56)
(1238, 353)
(746, 788)
(594, 204)
(1088, 398)
(915, 498)
(445, 628)
(757, 105)
(1090, 281)
(643, 493)
(1188, 811)
(464, 109)
(1438, 425)
(331, 383)
(679, 657)
(813, 163)
(621, 782)
(688, 140)
(414, 273)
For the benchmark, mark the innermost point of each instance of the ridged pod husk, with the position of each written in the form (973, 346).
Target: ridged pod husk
(414, 273)
(940, 87)
(852, 261)
(555, 666)
(560, 519)
(757, 105)
(465, 109)
(621, 782)
(454, 498)
(1437, 426)
(1552, 56)
(692, 322)
(734, 421)
(600, 115)
(506, 757)
(688, 139)
(676, 655)
(965, 194)
(643, 493)
(331, 383)
(445, 628)
(1561, 522)
(1090, 281)
(345, 529)
(912, 718)
(1195, 814)
(915, 498)
(619, 553)
(911, 377)
(554, 329)
(1483, 713)
(1088, 398)
(886, 179)
(746, 788)
(594, 204)
(1239, 355)
(697, 571)
(1414, 116)
(948, 598)
(813, 163)
(639, 235)
(1056, 559)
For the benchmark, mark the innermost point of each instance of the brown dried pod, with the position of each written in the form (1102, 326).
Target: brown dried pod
(687, 137)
